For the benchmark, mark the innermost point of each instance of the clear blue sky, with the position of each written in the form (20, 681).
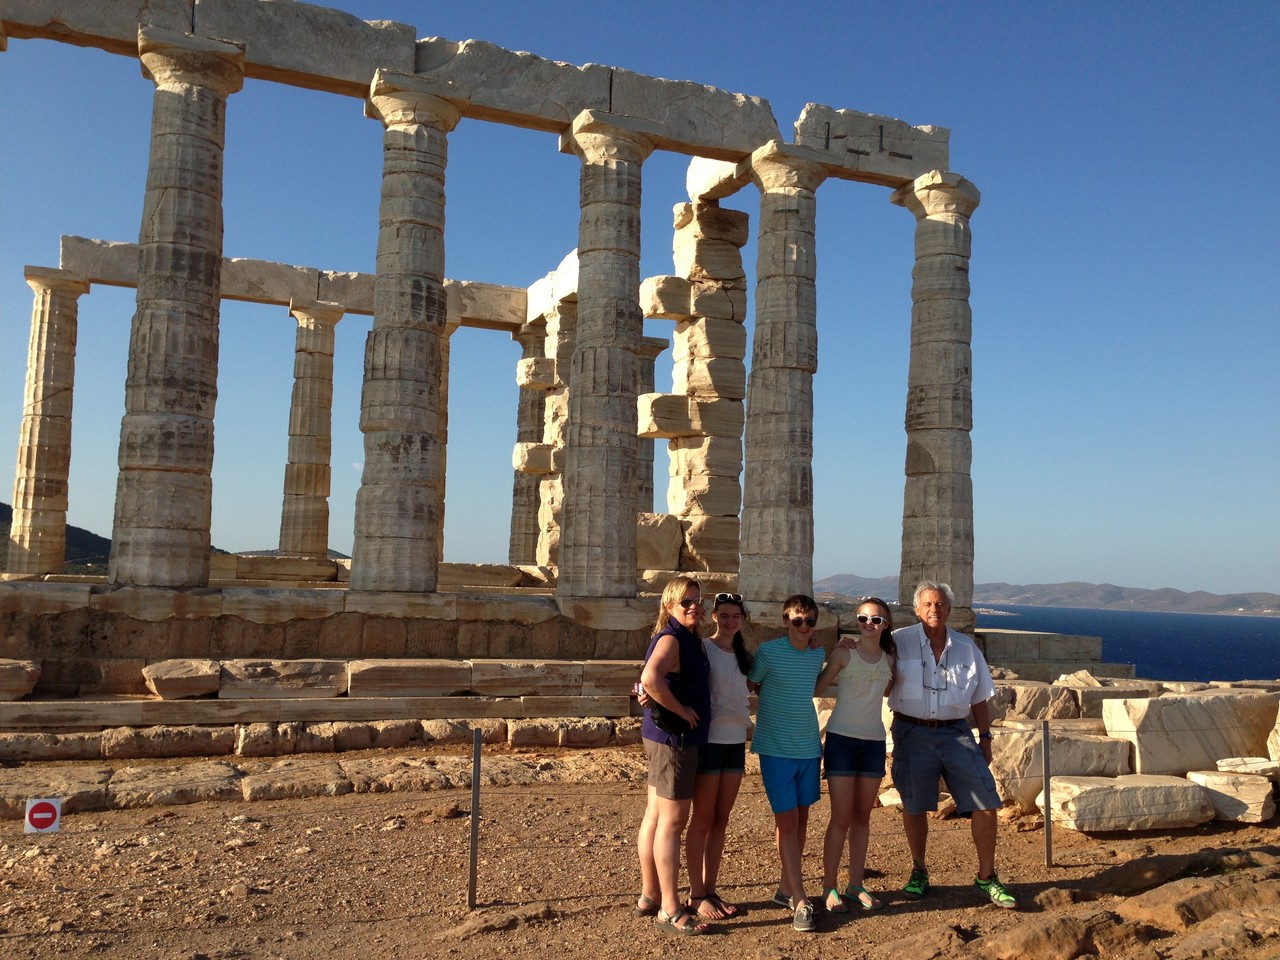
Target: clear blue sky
(1125, 262)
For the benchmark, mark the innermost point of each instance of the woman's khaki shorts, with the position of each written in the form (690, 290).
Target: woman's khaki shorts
(673, 771)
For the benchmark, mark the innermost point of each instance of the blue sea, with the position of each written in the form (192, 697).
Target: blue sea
(1164, 646)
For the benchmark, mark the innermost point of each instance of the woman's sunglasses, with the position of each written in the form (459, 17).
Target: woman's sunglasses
(690, 602)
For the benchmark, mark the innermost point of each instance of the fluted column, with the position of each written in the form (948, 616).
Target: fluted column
(777, 507)
(523, 545)
(163, 491)
(937, 516)
(304, 517)
(598, 545)
(398, 507)
(38, 535)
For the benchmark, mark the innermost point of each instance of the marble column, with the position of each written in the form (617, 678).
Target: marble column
(397, 519)
(523, 545)
(777, 507)
(598, 543)
(38, 535)
(937, 517)
(304, 517)
(164, 491)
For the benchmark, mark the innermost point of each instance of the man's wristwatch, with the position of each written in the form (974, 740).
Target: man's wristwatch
(986, 735)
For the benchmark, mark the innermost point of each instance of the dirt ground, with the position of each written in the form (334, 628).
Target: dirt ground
(386, 875)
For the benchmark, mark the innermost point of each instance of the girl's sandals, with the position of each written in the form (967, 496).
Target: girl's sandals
(712, 907)
(862, 898)
(834, 902)
(682, 923)
(645, 907)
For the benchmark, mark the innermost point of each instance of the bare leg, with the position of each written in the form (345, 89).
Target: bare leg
(864, 798)
(916, 827)
(791, 852)
(841, 792)
(705, 796)
(672, 816)
(649, 888)
(982, 826)
(714, 853)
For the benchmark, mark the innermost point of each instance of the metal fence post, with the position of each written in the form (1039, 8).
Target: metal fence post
(475, 817)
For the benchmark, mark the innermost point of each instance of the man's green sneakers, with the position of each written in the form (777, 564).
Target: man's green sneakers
(996, 890)
(918, 883)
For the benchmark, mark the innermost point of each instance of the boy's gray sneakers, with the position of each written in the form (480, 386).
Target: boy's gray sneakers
(803, 919)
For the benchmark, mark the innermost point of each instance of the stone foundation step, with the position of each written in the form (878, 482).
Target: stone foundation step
(53, 715)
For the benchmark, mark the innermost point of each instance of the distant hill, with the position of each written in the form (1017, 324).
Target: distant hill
(1091, 596)
(84, 549)
(87, 553)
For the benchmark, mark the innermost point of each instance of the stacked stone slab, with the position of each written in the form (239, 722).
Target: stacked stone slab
(702, 418)
(552, 319)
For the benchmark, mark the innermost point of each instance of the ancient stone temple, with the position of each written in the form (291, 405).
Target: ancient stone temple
(585, 552)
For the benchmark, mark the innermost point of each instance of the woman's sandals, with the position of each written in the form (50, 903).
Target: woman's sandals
(682, 923)
(711, 906)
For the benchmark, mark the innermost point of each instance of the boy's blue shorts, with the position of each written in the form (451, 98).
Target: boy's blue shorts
(790, 783)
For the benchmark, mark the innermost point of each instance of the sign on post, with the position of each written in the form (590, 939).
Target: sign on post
(43, 816)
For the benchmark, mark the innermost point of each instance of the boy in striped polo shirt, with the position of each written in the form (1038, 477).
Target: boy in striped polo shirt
(787, 740)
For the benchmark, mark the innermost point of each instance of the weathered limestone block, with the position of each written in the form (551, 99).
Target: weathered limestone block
(1018, 761)
(255, 740)
(1259, 766)
(666, 298)
(697, 258)
(1273, 741)
(282, 679)
(1134, 802)
(575, 706)
(167, 741)
(704, 496)
(724, 378)
(658, 541)
(296, 777)
(454, 575)
(560, 733)
(1237, 797)
(538, 372)
(22, 745)
(1182, 686)
(710, 543)
(1001, 645)
(1040, 701)
(393, 734)
(463, 731)
(80, 787)
(388, 774)
(223, 566)
(19, 677)
(177, 679)
(705, 457)
(293, 569)
(609, 678)
(714, 300)
(608, 613)
(161, 786)
(712, 222)
(32, 598)
(511, 609)
(408, 678)
(518, 678)
(704, 339)
(1174, 734)
(677, 415)
(1092, 699)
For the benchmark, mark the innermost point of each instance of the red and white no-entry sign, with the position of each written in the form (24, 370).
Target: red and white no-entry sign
(43, 816)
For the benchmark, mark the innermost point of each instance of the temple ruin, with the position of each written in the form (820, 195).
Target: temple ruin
(585, 553)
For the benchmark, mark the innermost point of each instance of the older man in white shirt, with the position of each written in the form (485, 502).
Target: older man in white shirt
(941, 679)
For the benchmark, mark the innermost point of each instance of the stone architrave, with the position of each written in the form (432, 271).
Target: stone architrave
(396, 545)
(777, 506)
(38, 534)
(598, 538)
(523, 545)
(1237, 797)
(1174, 734)
(160, 535)
(304, 516)
(937, 516)
(1134, 802)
